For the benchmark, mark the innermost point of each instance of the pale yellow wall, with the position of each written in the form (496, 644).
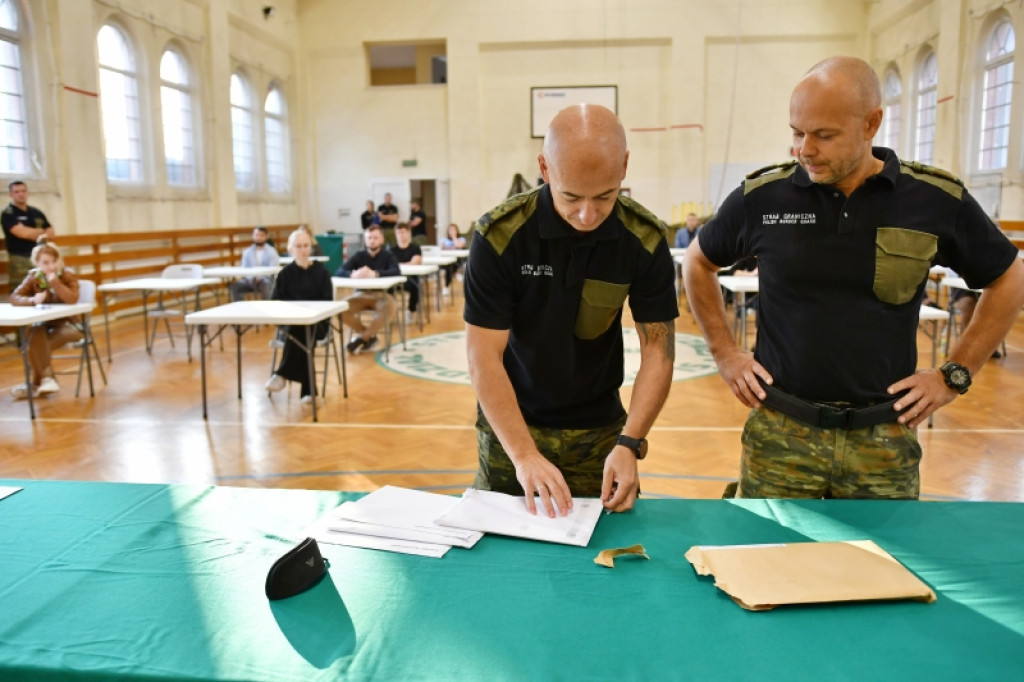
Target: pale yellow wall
(215, 36)
(672, 64)
(722, 79)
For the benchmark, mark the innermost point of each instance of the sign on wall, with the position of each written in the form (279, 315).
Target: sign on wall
(546, 102)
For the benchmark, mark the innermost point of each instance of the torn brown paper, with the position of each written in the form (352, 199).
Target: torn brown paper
(606, 557)
(760, 577)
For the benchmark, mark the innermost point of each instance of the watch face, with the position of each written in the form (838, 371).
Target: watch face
(958, 375)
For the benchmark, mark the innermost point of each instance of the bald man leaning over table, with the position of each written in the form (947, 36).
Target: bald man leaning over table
(548, 274)
(844, 238)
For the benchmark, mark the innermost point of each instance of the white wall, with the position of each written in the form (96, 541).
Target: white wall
(672, 63)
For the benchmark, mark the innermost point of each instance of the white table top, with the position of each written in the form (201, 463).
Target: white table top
(677, 253)
(286, 260)
(368, 283)
(458, 253)
(160, 284)
(415, 269)
(25, 315)
(740, 285)
(439, 260)
(930, 314)
(268, 312)
(235, 271)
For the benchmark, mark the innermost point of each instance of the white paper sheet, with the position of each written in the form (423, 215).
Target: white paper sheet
(502, 514)
(395, 520)
(323, 534)
(410, 510)
(7, 491)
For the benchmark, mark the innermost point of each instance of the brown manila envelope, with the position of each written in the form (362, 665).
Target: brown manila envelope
(761, 577)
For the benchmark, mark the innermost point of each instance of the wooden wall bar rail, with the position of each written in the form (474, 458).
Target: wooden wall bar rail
(129, 255)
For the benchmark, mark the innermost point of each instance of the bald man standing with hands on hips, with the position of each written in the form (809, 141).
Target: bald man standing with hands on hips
(844, 238)
(549, 272)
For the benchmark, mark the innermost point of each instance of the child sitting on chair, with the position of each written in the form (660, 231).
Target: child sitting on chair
(48, 282)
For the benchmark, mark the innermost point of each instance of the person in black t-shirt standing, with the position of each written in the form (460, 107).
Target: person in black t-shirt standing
(844, 239)
(548, 275)
(23, 225)
(387, 217)
(418, 223)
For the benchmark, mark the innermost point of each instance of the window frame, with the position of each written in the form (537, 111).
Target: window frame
(141, 104)
(190, 90)
(890, 100)
(285, 141)
(21, 41)
(930, 90)
(254, 158)
(987, 66)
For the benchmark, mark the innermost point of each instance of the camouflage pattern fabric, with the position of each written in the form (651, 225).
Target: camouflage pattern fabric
(578, 453)
(784, 457)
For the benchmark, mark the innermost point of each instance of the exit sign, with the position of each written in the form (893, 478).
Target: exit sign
(408, 163)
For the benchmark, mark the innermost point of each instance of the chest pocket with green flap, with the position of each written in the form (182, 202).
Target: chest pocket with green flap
(902, 259)
(599, 305)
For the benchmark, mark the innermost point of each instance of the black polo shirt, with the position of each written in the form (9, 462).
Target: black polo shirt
(387, 209)
(560, 294)
(842, 278)
(30, 217)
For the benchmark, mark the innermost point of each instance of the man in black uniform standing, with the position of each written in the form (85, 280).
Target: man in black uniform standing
(387, 213)
(548, 274)
(844, 240)
(418, 223)
(23, 225)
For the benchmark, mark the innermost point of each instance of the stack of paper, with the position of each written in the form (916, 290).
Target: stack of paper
(396, 520)
(507, 515)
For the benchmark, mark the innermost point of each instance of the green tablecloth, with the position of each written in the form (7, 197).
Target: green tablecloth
(115, 581)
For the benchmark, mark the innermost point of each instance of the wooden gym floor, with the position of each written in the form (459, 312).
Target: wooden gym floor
(147, 426)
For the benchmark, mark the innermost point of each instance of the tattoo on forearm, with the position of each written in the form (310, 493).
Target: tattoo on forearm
(663, 334)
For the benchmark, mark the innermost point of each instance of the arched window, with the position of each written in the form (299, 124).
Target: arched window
(997, 89)
(176, 109)
(275, 130)
(241, 133)
(927, 94)
(119, 102)
(892, 93)
(13, 131)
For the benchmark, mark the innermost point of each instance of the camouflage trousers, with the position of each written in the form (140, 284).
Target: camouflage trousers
(578, 453)
(784, 457)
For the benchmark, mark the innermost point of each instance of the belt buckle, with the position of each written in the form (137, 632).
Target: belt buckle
(835, 417)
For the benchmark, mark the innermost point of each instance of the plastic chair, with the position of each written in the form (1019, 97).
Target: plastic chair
(330, 347)
(89, 352)
(176, 271)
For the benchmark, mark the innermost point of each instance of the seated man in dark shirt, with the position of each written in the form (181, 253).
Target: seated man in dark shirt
(407, 252)
(372, 262)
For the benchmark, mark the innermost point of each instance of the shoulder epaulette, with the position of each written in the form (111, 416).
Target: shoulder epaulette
(500, 223)
(647, 227)
(776, 171)
(935, 176)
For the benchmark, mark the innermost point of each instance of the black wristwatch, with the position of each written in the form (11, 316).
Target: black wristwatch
(637, 445)
(957, 376)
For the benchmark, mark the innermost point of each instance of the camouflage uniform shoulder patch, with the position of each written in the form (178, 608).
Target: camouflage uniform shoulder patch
(499, 224)
(643, 224)
(944, 180)
(776, 171)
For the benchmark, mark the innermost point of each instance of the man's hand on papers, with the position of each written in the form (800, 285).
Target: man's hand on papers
(540, 477)
(618, 489)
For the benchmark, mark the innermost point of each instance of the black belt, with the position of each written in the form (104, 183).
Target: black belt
(826, 416)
